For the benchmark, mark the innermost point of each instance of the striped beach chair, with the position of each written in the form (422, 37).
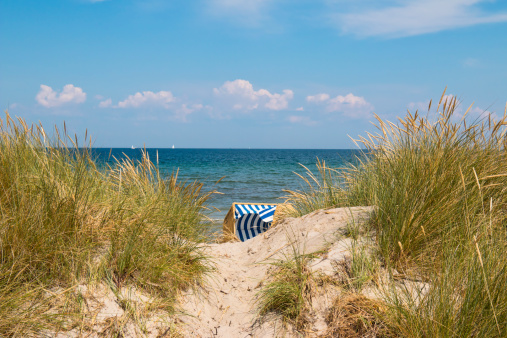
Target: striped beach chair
(247, 220)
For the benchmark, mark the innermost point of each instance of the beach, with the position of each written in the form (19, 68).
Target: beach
(413, 235)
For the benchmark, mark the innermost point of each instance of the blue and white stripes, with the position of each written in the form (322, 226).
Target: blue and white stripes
(252, 219)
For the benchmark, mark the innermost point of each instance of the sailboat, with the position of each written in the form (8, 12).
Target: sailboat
(132, 147)
(173, 146)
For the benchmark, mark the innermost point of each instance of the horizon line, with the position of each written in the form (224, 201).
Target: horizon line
(225, 148)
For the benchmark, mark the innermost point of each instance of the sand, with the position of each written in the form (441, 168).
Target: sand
(227, 308)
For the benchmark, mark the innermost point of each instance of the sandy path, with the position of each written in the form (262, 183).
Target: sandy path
(226, 308)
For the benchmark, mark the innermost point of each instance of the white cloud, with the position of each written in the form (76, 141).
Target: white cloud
(414, 17)
(350, 105)
(165, 105)
(317, 98)
(106, 103)
(300, 109)
(448, 98)
(49, 98)
(240, 95)
(186, 109)
(484, 114)
(147, 98)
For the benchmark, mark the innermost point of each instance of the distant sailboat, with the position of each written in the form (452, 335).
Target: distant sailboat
(173, 146)
(132, 147)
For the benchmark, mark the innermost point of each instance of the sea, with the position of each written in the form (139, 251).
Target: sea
(245, 175)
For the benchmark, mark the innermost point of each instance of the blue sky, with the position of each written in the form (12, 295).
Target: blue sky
(245, 73)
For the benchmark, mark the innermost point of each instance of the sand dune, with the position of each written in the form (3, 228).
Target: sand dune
(226, 308)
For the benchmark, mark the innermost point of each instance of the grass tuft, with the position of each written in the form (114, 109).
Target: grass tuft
(360, 268)
(355, 315)
(438, 184)
(65, 222)
(322, 191)
(289, 289)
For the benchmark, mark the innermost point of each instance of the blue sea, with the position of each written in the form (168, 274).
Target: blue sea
(249, 175)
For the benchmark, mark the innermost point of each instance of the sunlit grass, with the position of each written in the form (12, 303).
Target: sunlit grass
(288, 290)
(63, 222)
(321, 190)
(438, 183)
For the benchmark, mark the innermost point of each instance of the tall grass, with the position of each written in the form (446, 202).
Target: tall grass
(429, 182)
(64, 222)
(157, 227)
(439, 185)
(466, 297)
(322, 190)
(289, 289)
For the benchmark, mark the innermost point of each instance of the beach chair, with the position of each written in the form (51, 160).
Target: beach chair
(247, 220)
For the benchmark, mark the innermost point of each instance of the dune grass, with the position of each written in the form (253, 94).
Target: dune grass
(288, 290)
(439, 185)
(431, 183)
(355, 316)
(322, 190)
(64, 222)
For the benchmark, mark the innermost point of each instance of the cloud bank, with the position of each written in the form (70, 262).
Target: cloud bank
(349, 105)
(147, 98)
(240, 95)
(231, 99)
(49, 98)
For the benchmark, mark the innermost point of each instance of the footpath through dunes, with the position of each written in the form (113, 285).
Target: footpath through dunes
(227, 306)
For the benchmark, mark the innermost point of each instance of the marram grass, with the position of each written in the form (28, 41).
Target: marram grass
(323, 190)
(288, 290)
(430, 181)
(64, 222)
(439, 186)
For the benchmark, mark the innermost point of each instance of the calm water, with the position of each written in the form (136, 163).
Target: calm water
(251, 175)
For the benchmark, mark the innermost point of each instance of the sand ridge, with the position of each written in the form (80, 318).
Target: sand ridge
(226, 307)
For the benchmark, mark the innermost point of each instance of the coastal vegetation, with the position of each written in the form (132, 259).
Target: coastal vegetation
(65, 223)
(288, 291)
(438, 184)
(429, 262)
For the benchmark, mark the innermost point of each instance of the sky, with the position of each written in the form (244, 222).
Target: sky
(246, 73)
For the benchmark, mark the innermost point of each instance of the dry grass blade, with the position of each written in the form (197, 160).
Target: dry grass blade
(322, 191)
(487, 286)
(432, 179)
(355, 315)
(288, 290)
(64, 221)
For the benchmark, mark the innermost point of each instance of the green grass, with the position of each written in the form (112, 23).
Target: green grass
(430, 182)
(438, 183)
(323, 190)
(288, 290)
(361, 268)
(64, 222)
